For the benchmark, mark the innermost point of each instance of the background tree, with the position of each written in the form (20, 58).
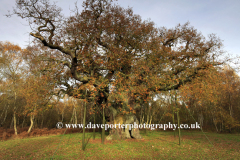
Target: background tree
(210, 99)
(11, 73)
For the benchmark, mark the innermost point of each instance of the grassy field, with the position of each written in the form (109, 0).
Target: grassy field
(154, 145)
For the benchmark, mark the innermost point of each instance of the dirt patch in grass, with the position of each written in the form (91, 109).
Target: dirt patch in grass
(135, 140)
(113, 141)
(6, 134)
(100, 141)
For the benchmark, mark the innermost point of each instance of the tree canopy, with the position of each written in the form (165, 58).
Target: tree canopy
(111, 50)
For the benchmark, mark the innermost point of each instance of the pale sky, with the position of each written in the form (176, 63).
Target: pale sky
(221, 17)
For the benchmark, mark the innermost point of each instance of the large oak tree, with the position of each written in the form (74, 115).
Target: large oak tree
(111, 50)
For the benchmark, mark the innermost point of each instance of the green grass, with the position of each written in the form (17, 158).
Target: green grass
(154, 145)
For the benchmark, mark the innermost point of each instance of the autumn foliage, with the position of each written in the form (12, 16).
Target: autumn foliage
(108, 57)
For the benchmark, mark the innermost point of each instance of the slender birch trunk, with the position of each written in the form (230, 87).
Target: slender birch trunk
(31, 125)
(84, 123)
(103, 129)
(15, 123)
(14, 115)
